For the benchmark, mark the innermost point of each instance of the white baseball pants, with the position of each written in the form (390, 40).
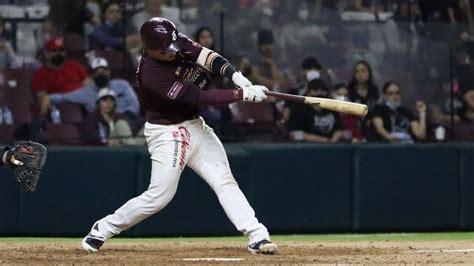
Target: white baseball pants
(172, 147)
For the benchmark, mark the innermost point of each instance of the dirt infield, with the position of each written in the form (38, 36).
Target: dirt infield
(149, 252)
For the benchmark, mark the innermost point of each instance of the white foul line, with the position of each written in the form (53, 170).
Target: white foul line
(445, 251)
(213, 259)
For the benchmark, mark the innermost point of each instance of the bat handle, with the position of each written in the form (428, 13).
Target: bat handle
(285, 96)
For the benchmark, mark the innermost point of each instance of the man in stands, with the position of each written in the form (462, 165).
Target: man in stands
(57, 75)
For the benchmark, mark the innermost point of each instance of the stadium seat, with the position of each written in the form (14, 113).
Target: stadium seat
(21, 112)
(15, 78)
(117, 60)
(74, 42)
(6, 134)
(17, 95)
(254, 118)
(253, 112)
(66, 134)
(70, 113)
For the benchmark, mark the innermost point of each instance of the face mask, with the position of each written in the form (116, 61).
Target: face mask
(393, 106)
(101, 80)
(340, 98)
(303, 14)
(58, 59)
(312, 74)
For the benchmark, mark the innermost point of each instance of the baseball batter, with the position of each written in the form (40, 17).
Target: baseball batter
(172, 88)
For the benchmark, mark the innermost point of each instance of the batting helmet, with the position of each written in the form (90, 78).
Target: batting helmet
(159, 34)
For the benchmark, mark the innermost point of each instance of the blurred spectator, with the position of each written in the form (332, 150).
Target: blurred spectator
(111, 33)
(464, 119)
(311, 69)
(358, 49)
(189, 11)
(216, 117)
(300, 32)
(57, 75)
(47, 31)
(442, 104)
(312, 124)
(126, 99)
(340, 92)
(242, 64)
(361, 87)
(466, 114)
(401, 31)
(107, 127)
(439, 10)
(393, 122)
(156, 8)
(462, 111)
(7, 54)
(75, 16)
(466, 10)
(352, 125)
(265, 70)
(205, 37)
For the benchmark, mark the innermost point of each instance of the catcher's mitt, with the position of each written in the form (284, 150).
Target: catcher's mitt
(33, 156)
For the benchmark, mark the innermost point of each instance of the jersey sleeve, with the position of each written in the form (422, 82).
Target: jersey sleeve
(189, 48)
(168, 87)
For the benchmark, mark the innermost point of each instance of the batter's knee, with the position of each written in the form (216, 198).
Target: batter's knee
(156, 199)
(225, 182)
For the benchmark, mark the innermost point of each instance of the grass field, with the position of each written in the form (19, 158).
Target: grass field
(443, 248)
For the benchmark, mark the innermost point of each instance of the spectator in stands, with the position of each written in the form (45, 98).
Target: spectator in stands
(156, 8)
(361, 87)
(126, 99)
(265, 70)
(7, 54)
(353, 130)
(439, 10)
(107, 127)
(395, 123)
(111, 33)
(311, 69)
(340, 92)
(57, 75)
(300, 32)
(75, 16)
(312, 124)
(464, 119)
(401, 31)
(205, 37)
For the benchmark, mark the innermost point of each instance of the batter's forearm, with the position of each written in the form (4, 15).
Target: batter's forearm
(219, 97)
(215, 63)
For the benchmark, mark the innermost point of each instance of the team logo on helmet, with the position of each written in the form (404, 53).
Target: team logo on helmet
(173, 35)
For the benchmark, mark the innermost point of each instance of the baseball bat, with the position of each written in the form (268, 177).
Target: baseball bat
(324, 103)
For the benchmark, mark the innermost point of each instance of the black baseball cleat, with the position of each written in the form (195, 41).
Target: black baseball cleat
(92, 242)
(263, 247)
